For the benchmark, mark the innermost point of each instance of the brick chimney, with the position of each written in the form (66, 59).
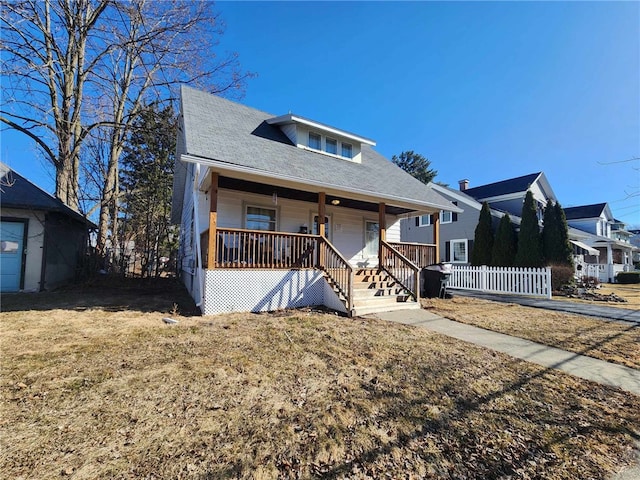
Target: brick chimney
(464, 184)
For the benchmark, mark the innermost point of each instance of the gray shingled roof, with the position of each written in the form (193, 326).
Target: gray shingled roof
(504, 187)
(21, 194)
(584, 211)
(225, 131)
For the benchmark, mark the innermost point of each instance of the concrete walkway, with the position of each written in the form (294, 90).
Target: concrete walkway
(592, 310)
(599, 371)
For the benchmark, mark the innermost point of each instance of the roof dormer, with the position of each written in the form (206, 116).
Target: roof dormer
(320, 138)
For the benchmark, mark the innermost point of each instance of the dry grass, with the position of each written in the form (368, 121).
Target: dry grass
(607, 340)
(92, 392)
(630, 292)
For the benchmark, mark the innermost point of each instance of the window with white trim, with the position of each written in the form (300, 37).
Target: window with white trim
(459, 251)
(424, 220)
(347, 150)
(331, 146)
(315, 141)
(260, 218)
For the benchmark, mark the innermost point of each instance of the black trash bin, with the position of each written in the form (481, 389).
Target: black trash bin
(434, 279)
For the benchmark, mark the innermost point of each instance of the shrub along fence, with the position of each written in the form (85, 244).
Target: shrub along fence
(519, 281)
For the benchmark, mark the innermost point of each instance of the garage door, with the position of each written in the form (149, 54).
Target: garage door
(11, 248)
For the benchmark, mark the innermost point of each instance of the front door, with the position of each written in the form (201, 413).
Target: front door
(371, 238)
(327, 226)
(11, 248)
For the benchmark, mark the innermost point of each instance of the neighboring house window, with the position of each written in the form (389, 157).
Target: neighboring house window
(260, 218)
(347, 150)
(315, 141)
(423, 221)
(331, 146)
(459, 252)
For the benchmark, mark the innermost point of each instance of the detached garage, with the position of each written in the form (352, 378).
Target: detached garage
(42, 241)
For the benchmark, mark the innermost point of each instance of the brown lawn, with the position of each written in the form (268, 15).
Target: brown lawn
(110, 391)
(607, 340)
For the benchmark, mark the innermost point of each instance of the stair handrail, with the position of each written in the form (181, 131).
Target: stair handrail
(420, 254)
(403, 270)
(338, 269)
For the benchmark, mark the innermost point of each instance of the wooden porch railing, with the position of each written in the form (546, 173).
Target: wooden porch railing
(339, 271)
(420, 254)
(406, 273)
(239, 248)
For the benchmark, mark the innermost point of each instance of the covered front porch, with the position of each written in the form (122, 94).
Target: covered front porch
(263, 247)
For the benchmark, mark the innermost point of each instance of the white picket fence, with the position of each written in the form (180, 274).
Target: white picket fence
(519, 281)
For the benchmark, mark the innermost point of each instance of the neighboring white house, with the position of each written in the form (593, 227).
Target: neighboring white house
(607, 236)
(283, 211)
(42, 241)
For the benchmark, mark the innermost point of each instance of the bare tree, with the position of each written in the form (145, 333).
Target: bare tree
(158, 46)
(45, 67)
(77, 69)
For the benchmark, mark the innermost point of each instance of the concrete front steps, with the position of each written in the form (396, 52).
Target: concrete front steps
(375, 291)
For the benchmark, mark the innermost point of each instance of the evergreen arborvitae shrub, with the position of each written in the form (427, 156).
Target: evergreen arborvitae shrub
(529, 242)
(505, 244)
(565, 251)
(550, 234)
(483, 239)
(555, 236)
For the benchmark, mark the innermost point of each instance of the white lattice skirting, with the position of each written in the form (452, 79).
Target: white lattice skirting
(265, 290)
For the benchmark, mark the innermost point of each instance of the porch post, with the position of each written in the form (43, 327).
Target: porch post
(382, 227)
(435, 221)
(213, 221)
(322, 199)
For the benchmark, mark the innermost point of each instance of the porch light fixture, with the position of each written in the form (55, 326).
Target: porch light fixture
(335, 201)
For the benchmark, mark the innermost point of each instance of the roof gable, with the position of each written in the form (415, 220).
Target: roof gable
(504, 187)
(585, 211)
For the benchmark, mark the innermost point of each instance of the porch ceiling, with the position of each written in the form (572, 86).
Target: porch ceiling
(301, 195)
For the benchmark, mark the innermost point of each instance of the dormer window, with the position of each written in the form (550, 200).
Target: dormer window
(347, 150)
(315, 141)
(331, 146)
(320, 138)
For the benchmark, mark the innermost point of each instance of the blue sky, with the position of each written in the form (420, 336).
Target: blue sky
(486, 91)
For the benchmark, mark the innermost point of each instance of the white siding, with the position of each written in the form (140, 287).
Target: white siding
(346, 229)
(393, 229)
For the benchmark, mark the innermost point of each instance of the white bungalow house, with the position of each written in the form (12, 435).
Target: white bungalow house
(611, 245)
(284, 211)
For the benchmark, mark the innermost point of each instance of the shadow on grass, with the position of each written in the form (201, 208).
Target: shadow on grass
(528, 453)
(113, 294)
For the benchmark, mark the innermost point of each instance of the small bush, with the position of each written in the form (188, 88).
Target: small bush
(628, 277)
(561, 276)
(588, 282)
